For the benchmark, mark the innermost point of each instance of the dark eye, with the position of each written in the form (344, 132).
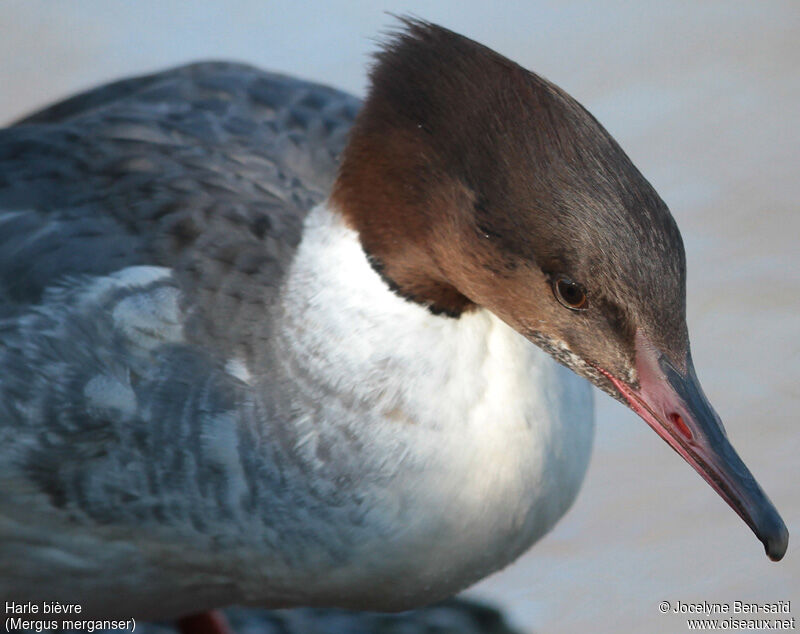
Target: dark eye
(570, 294)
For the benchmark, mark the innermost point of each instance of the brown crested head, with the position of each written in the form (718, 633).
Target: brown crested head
(473, 182)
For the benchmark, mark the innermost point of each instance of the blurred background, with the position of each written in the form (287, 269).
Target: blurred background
(705, 98)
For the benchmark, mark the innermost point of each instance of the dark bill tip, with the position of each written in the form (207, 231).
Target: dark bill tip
(776, 539)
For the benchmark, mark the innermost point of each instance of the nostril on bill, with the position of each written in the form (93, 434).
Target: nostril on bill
(681, 426)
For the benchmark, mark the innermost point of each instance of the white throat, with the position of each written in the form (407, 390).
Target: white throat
(474, 432)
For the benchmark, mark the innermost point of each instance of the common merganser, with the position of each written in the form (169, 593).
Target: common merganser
(230, 375)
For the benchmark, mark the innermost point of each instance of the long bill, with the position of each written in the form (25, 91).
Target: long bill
(673, 404)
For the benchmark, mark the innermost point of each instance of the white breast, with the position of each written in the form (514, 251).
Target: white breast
(478, 441)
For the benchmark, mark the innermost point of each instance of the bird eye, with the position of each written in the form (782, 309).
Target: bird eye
(570, 294)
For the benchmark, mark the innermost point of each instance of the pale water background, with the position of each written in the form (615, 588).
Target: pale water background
(705, 97)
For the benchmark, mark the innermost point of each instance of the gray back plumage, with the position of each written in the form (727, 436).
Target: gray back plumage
(145, 227)
(207, 168)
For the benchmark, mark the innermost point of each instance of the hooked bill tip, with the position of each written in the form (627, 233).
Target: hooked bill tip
(775, 545)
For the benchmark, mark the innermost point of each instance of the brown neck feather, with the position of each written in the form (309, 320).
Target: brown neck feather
(386, 191)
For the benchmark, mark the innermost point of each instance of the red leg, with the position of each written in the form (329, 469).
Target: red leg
(211, 622)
